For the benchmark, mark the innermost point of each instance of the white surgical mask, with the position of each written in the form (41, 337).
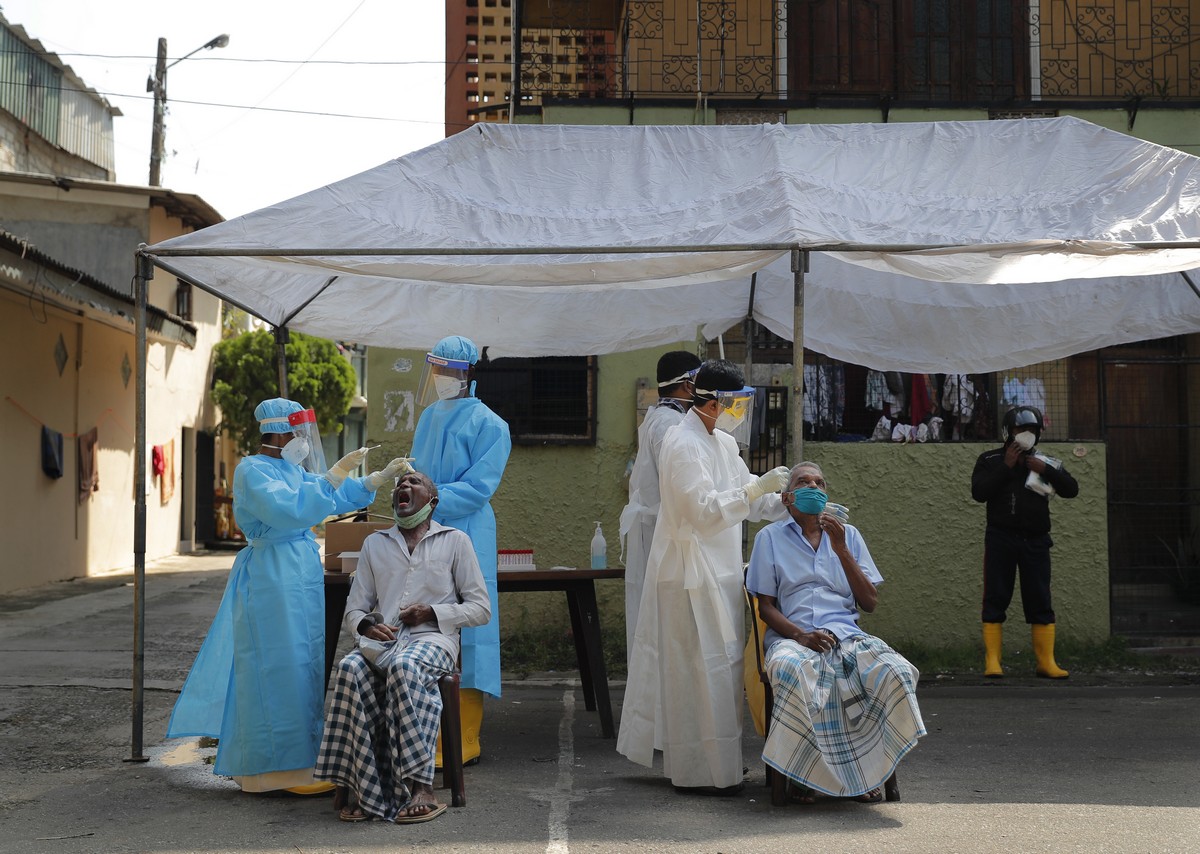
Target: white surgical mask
(1025, 440)
(295, 450)
(447, 387)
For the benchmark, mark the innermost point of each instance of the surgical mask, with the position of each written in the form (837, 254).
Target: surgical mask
(1025, 440)
(809, 500)
(727, 421)
(447, 387)
(409, 522)
(295, 450)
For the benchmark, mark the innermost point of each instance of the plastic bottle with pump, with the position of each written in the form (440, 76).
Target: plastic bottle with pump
(599, 550)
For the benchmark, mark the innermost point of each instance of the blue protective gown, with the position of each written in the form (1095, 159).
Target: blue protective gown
(463, 446)
(257, 682)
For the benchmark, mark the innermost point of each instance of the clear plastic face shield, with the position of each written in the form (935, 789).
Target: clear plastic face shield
(734, 412)
(305, 447)
(442, 379)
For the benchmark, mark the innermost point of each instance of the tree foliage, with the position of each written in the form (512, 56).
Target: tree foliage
(319, 377)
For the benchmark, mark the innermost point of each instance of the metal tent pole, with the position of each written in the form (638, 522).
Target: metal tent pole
(799, 268)
(281, 339)
(141, 284)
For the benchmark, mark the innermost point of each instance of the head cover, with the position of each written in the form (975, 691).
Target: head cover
(1022, 417)
(458, 348)
(280, 415)
(447, 370)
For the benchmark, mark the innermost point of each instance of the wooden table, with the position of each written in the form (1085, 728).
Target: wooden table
(580, 587)
(578, 584)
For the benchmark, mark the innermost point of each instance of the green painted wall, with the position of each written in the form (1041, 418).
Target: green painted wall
(913, 505)
(551, 496)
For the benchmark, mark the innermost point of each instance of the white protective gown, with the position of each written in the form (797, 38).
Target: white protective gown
(684, 691)
(639, 515)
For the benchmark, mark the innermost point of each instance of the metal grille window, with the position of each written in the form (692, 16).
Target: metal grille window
(546, 401)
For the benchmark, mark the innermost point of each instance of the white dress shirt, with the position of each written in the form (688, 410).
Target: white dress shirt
(441, 571)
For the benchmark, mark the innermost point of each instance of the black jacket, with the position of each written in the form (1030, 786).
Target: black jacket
(1009, 504)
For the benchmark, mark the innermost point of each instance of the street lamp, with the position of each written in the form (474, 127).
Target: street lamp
(158, 85)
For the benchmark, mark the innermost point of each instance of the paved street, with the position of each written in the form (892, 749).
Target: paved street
(1006, 767)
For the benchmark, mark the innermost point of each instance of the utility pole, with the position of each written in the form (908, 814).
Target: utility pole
(159, 87)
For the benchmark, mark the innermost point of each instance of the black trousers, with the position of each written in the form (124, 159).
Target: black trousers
(1006, 552)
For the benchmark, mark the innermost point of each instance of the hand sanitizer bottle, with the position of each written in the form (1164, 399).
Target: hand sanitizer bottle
(599, 550)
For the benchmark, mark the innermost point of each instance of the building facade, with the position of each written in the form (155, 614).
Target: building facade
(1125, 419)
(68, 235)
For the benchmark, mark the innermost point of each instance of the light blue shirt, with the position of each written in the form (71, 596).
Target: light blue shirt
(808, 584)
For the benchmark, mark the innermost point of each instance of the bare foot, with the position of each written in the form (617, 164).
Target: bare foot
(422, 802)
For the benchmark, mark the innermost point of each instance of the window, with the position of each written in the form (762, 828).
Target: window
(183, 300)
(546, 401)
(915, 49)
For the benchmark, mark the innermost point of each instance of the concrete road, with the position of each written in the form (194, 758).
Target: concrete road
(1014, 766)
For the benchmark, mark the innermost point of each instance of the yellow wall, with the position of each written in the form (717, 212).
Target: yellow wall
(48, 534)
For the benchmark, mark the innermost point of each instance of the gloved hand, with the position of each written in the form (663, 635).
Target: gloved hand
(773, 481)
(396, 468)
(340, 470)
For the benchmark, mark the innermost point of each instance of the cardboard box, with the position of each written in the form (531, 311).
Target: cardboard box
(346, 537)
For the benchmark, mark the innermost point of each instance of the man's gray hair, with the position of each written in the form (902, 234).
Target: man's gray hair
(807, 464)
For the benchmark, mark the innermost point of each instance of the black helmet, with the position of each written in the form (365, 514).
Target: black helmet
(1022, 416)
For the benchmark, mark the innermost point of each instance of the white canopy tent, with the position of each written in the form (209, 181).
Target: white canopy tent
(957, 246)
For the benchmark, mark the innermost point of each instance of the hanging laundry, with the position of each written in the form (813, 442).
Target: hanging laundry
(879, 395)
(89, 463)
(52, 452)
(824, 398)
(167, 481)
(958, 397)
(158, 463)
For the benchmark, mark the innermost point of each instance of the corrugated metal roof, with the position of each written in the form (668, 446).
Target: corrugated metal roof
(90, 291)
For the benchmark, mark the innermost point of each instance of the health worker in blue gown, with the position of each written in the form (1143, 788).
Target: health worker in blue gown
(463, 446)
(257, 683)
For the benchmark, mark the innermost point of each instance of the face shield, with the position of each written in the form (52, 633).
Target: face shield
(442, 379)
(734, 411)
(303, 425)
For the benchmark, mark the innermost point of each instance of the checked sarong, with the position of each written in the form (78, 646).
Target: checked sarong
(381, 732)
(843, 719)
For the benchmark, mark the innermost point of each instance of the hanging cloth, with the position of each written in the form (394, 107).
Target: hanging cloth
(167, 481)
(52, 452)
(157, 461)
(89, 464)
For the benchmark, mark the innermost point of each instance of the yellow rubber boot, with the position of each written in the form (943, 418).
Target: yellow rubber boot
(993, 641)
(1043, 650)
(470, 715)
(318, 788)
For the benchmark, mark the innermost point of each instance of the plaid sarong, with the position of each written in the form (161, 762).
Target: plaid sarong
(382, 731)
(843, 719)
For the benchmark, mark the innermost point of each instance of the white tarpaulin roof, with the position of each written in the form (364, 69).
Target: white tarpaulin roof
(439, 241)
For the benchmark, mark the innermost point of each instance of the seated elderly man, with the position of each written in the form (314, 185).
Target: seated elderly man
(417, 584)
(845, 707)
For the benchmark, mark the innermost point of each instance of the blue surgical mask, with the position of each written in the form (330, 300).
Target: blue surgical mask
(809, 500)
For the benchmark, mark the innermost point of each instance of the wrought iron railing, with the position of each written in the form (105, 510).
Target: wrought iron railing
(989, 51)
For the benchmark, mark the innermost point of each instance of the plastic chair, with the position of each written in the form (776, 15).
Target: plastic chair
(452, 761)
(779, 782)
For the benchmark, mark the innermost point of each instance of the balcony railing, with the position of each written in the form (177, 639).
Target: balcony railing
(991, 51)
